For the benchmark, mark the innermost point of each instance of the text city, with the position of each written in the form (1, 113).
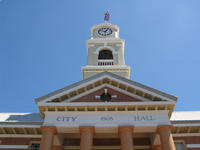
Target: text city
(73, 119)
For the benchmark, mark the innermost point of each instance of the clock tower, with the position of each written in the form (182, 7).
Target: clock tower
(105, 51)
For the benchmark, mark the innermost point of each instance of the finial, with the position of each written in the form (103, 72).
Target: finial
(106, 16)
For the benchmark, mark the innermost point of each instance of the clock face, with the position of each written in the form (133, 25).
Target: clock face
(105, 31)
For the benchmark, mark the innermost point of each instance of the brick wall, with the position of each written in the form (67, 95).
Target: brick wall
(120, 96)
(189, 140)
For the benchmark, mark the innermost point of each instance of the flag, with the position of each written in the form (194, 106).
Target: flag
(106, 16)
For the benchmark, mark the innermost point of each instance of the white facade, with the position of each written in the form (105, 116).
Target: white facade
(105, 37)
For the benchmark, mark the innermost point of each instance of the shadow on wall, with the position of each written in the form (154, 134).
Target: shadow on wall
(32, 117)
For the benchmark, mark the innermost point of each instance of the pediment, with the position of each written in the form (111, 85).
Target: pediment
(104, 92)
(125, 90)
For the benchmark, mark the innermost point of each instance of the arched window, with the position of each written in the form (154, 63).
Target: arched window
(105, 54)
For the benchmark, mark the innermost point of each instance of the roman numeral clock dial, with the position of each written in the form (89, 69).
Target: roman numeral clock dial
(104, 31)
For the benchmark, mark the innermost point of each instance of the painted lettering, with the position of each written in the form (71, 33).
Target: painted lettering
(104, 118)
(58, 118)
(66, 119)
(74, 119)
(143, 118)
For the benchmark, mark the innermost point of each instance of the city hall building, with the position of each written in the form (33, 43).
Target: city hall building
(104, 111)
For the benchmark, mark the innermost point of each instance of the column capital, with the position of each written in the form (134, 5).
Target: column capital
(125, 128)
(87, 128)
(49, 128)
(161, 128)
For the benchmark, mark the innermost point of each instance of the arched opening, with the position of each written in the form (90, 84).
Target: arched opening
(105, 54)
(105, 57)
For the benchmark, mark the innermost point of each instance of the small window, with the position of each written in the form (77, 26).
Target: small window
(34, 146)
(105, 54)
(180, 145)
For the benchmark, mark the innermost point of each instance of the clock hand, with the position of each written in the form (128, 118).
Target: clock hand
(104, 29)
(108, 31)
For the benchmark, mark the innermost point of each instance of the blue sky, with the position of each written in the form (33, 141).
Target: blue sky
(43, 46)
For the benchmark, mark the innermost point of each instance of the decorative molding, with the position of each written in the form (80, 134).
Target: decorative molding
(91, 45)
(103, 86)
(105, 47)
(18, 126)
(107, 104)
(187, 125)
(19, 136)
(103, 25)
(118, 45)
(100, 78)
(13, 146)
(193, 145)
(185, 134)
